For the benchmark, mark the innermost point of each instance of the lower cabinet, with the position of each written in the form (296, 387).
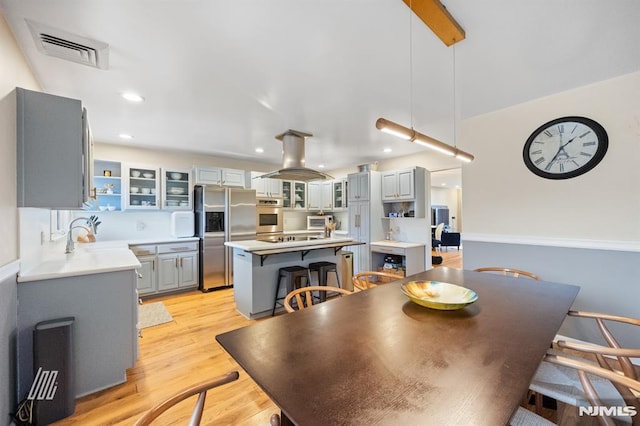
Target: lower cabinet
(105, 335)
(167, 267)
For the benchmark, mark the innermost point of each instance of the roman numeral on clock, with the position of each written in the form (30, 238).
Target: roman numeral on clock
(539, 160)
(586, 154)
(589, 143)
(536, 152)
(548, 133)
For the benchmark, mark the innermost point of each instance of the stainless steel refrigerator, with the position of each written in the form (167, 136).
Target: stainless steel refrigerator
(222, 214)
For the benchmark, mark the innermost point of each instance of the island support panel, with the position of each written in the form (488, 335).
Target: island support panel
(254, 286)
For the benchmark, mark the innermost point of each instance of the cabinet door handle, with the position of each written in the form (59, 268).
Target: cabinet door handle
(139, 274)
(177, 264)
(153, 265)
(181, 259)
(180, 248)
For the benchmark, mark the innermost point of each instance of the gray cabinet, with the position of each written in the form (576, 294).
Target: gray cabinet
(398, 185)
(219, 176)
(146, 275)
(320, 196)
(365, 211)
(359, 186)
(268, 188)
(167, 267)
(54, 151)
(105, 334)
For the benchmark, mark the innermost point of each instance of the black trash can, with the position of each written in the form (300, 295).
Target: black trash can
(53, 389)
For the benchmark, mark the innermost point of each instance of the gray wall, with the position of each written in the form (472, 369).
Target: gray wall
(14, 71)
(8, 330)
(609, 280)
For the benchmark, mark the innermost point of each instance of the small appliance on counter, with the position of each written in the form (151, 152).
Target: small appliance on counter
(318, 223)
(182, 224)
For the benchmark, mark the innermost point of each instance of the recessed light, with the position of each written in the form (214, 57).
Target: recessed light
(443, 184)
(259, 150)
(387, 150)
(125, 136)
(321, 166)
(133, 97)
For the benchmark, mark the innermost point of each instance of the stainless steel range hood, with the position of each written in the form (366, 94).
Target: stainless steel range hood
(293, 167)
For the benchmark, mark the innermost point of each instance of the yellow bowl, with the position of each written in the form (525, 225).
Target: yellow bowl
(438, 295)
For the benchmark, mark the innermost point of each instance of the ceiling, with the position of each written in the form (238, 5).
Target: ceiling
(224, 77)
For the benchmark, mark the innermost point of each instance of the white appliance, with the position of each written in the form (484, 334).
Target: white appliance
(318, 223)
(182, 224)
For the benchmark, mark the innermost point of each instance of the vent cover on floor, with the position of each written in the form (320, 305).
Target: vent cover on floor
(61, 44)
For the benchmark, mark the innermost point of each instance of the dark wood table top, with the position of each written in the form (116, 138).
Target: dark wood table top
(375, 357)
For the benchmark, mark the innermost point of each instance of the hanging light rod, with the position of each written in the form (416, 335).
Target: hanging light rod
(411, 135)
(436, 16)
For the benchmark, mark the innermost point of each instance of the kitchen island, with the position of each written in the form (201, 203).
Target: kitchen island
(256, 264)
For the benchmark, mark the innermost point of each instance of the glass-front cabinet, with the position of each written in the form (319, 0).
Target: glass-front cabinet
(176, 189)
(294, 195)
(340, 194)
(143, 188)
(108, 185)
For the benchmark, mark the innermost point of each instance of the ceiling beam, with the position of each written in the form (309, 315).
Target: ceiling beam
(438, 19)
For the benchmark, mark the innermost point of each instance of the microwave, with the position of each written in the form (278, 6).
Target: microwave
(318, 222)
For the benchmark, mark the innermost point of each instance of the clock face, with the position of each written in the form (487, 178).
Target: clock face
(565, 147)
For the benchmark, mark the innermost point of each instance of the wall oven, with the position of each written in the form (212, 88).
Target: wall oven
(269, 215)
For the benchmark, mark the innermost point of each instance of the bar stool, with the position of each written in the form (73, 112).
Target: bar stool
(292, 276)
(323, 269)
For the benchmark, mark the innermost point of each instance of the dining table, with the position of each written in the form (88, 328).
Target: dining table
(375, 358)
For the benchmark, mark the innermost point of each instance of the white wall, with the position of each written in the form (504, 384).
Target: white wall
(501, 196)
(14, 71)
(448, 197)
(583, 231)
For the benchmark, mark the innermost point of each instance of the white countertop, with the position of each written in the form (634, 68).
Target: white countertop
(92, 258)
(82, 262)
(255, 245)
(396, 244)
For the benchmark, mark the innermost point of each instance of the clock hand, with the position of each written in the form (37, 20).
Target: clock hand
(561, 149)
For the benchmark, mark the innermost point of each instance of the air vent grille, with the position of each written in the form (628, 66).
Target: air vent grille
(64, 45)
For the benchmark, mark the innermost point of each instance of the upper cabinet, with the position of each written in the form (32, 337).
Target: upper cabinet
(398, 185)
(358, 186)
(219, 176)
(340, 194)
(108, 184)
(320, 195)
(294, 195)
(268, 188)
(54, 149)
(142, 187)
(177, 189)
(403, 193)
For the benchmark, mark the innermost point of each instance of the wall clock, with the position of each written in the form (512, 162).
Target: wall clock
(565, 147)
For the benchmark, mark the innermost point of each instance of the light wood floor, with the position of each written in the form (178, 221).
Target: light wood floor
(183, 352)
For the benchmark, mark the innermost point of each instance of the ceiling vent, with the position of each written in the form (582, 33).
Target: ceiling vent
(64, 45)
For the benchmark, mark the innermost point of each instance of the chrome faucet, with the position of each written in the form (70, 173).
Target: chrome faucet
(70, 244)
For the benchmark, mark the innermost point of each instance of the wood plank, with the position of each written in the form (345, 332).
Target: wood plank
(436, 16)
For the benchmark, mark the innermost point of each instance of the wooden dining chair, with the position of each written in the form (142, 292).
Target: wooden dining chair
(563, 384)
(304, 296)
(370, 279)
(199, 389)
(511, 272)
(590, 380)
